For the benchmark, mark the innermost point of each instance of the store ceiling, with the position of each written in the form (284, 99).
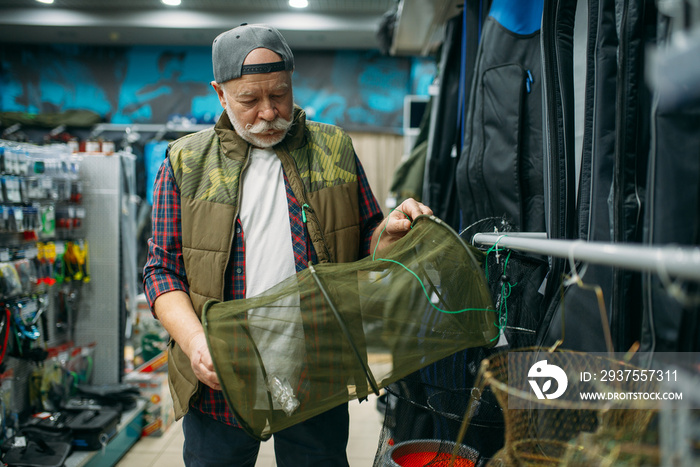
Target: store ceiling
(325, 24)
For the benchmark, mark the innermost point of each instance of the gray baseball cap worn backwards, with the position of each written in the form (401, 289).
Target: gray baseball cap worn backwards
(230, 49)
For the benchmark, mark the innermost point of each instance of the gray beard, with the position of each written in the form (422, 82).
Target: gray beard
(253, 138)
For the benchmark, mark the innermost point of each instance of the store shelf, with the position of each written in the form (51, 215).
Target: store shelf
(148, 128)
(128, 432)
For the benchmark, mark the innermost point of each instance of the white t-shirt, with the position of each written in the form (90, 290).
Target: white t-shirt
(264, 215)
(269, 259)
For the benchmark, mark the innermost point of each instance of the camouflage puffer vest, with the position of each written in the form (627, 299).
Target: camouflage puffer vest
(319, 161)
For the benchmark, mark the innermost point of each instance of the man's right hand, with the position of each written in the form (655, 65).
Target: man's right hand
(175, 312)
(201, 361)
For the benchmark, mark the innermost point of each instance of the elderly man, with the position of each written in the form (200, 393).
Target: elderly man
(237, 209)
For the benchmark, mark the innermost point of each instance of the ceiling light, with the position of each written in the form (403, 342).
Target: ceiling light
(298, 3)
(171, 2)
(45, 1)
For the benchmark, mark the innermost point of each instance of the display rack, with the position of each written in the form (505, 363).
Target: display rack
(109, 228)
(672, 260)
(128, 432)
(41, 241)
(68, 271)
(158, 129)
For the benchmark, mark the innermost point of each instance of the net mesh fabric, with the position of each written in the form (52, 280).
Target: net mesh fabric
(432, 403)
(565, 431)
(301, 347)
(453, 403)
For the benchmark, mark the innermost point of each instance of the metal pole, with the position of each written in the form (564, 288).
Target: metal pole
(675, 261)
(346, 331)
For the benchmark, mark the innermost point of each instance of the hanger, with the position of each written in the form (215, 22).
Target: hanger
(576, 278)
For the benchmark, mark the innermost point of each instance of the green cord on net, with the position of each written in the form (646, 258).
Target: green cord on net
(494, 247)
(503, 302)
(387, 222)
(422, 284)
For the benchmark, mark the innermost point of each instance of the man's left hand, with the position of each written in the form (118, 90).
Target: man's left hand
(398, 223)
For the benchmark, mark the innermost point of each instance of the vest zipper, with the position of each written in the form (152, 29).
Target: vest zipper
(305, 207)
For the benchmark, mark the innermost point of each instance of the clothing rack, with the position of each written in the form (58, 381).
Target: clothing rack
(671, 260)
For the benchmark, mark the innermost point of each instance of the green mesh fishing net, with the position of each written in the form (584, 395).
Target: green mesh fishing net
(301, 348)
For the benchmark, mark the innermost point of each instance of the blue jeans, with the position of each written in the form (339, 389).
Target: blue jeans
(320, 441)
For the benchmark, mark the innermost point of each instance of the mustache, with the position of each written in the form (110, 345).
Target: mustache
(279, 124)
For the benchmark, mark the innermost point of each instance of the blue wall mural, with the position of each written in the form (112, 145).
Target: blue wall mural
(361, 90)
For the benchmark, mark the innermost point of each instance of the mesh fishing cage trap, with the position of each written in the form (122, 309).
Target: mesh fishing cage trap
(301, 347)
(498, 421)
(568, 431)
(430, 405)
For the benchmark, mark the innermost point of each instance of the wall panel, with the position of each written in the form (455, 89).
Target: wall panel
(380, 154)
